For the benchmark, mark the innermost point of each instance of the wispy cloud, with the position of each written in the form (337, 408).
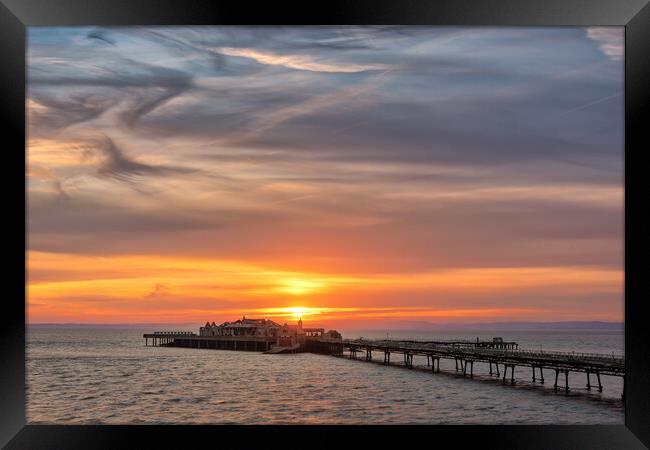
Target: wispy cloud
(352, 95)
(154, 86)
(116, 164)
(46, 174)
(300, 62)
(610, 40)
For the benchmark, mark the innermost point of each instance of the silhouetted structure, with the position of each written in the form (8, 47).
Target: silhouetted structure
(245, 334)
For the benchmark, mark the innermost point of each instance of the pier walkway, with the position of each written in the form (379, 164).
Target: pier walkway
(497, 359)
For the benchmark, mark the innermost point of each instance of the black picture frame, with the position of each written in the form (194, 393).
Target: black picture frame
(16, 15)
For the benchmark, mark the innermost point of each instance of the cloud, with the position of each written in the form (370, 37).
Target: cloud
(300, 62)
(55, 112)
(172, 82)
(155, 86)
(610, 40)
(44, 173)
(355, 93)
(101, 36)
(159, 290)
(117, 165)
(93, 218)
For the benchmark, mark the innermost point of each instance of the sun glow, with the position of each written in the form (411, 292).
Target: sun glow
(299, 311)
(300, 286)
(293, 312)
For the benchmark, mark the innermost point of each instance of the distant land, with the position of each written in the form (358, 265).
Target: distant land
(395, 326)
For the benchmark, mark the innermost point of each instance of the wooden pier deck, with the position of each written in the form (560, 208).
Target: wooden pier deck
(497, 359)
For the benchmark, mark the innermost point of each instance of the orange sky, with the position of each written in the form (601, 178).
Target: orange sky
(134, 288)
(349, 176)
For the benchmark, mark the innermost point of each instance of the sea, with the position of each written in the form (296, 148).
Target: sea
(102, 375)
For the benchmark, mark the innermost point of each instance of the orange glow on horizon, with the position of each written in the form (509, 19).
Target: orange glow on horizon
(142, 288)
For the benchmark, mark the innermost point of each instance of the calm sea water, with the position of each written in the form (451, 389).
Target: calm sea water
(108, 376)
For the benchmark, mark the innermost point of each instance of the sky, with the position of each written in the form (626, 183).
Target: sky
(354, 176)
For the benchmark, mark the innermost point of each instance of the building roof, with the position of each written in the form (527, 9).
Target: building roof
(250, 323)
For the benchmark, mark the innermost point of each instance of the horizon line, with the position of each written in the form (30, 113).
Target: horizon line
(402, 321)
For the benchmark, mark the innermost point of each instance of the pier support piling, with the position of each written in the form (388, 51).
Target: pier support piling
(566, 381)
(623, 394)
(408, 360)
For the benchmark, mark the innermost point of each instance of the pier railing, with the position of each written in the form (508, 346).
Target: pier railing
(174, 333)
(502, 352)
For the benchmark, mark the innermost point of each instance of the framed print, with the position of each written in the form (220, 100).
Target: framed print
(244, 222)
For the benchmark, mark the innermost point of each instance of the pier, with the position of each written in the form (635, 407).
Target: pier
(498, 362)
(497, 358)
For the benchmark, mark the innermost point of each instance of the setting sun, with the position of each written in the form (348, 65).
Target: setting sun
(298, 312)
(294, 312)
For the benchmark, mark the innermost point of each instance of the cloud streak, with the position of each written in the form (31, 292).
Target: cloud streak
(299, 62)
(610, 40)
(116, 164)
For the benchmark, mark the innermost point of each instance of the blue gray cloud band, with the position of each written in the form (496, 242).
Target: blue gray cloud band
(416, 133)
